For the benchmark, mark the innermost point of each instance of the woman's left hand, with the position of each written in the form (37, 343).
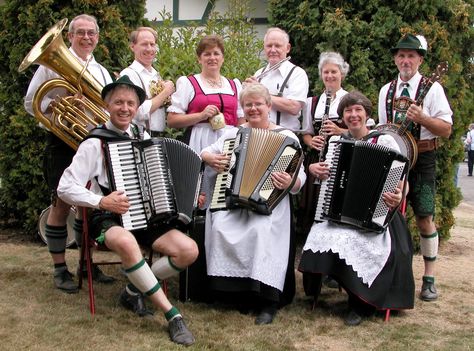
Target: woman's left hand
(281, 180)
(393, 199)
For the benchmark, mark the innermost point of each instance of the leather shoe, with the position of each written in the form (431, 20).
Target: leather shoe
(64, 282)
(97, 275)
(179, 332)
(352, 319)
(266, 316)
(428, 291)
(135, 303)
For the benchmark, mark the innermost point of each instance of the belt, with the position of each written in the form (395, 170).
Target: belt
(427, 145)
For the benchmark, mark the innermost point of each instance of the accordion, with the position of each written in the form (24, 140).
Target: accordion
(255, 154)
(360, 172)
(161, 178)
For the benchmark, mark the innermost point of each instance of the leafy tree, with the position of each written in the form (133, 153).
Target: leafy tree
(364, 31)
(23, 192)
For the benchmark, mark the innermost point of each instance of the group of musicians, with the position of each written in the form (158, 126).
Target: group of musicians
(250, 256)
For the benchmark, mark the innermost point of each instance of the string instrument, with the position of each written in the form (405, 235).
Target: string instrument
(399, 132)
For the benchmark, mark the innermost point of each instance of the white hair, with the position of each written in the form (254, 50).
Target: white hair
(276, 29)
(334, 58)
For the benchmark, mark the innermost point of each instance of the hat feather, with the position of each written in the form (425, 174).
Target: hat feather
(423, 42)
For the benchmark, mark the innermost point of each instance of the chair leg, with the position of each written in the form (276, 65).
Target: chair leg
(86, 256)
(387, 315)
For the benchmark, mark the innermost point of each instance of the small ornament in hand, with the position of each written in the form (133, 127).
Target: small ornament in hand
(156, 87)
(217, 121)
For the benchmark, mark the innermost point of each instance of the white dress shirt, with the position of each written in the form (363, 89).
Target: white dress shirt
(88, 164)
(296, 89)
(435, 103)
(307, 127)
(142, 77)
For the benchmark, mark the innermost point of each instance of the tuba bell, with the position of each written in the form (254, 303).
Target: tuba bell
(72, 116)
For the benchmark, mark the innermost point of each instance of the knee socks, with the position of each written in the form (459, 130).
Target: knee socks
(56, 237)
(143, 278)
(429, 246)
(78, 231)
(164, 268)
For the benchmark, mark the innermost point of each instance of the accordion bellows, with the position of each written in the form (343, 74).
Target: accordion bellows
(256, 154)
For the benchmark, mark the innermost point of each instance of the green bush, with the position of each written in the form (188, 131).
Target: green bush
(363, 32)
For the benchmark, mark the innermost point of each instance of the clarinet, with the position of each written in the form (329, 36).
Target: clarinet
(324, 119)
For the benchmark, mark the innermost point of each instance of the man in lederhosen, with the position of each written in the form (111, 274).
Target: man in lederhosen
(431, 120)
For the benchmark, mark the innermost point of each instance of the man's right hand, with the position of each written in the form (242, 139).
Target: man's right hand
(116, 202)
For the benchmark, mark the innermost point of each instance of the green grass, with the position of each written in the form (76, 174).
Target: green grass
(35, 316)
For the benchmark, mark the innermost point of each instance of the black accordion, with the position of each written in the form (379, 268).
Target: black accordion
(256, 153)
(360, 172)
(160, 176)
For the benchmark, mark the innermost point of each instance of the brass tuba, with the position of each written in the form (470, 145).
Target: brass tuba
(72, 117)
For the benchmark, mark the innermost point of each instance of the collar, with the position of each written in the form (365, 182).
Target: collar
(93, 61)
(137, 66)
(283, 69)
(413, 82)
(111, 126)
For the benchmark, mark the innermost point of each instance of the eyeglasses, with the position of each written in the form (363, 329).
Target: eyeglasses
(82, 33)
(248, 106)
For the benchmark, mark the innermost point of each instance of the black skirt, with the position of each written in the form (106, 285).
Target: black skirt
(393, 288)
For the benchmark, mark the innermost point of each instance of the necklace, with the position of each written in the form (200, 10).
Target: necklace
(214, 83)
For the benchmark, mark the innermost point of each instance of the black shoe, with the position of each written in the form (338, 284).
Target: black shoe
(135, 303)
(63, 281)
(179, 332)
(97, 275)
(330, 283)
(266, 316)
(352, 319)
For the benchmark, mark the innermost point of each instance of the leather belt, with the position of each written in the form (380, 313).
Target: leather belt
(427, 145)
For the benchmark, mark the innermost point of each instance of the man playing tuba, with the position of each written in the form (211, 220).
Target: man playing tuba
(83, 35)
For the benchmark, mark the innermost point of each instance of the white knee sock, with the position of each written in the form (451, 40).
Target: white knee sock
(164, 268)
(143, 278)
(429, 246)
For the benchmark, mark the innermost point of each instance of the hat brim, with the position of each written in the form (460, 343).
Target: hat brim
(109, 87)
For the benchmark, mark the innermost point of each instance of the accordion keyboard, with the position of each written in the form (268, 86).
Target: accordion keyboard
(223, 180)
(328, 184)
(127, 179)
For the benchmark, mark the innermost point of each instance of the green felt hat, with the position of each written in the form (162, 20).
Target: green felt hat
(124, 80)
(411, 42)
